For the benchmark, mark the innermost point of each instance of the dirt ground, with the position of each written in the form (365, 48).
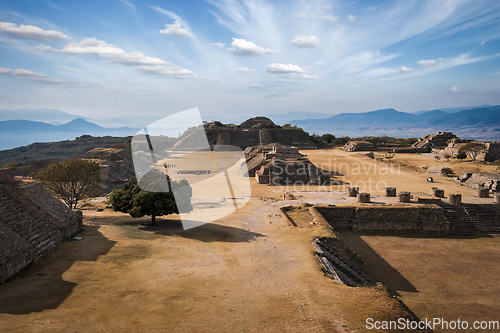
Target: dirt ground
(250, 271)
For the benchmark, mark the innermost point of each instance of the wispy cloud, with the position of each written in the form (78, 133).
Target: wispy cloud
(31, 32)
(244, 70)
(32, 76)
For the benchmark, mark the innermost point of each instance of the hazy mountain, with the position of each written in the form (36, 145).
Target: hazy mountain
(482, 123)
(454, 110)
(15, 133)
(45, 115)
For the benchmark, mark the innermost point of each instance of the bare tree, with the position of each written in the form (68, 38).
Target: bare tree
(71, 180)
(472, 149)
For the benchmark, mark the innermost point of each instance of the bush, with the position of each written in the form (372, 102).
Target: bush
(371, 155)
(447, 172)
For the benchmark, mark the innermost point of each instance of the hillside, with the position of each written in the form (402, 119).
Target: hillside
(480, 123)
(59, 150)
(15, 133)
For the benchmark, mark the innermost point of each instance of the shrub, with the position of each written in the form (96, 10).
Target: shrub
(447, 172)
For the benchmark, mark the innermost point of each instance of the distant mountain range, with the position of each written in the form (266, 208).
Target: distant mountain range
(25, 126)
(15, 133)
(478, 123)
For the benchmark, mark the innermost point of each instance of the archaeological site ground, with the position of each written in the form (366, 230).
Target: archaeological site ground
(302, 257)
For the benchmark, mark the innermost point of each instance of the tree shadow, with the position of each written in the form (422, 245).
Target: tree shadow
(40, 286)
(209, 232)
(376, 266)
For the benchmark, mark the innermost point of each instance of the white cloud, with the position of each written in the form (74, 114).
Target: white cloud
(305, 41)
(215, 80)
(246, 48)
(31, 32)
(405, 69)
(351, 18)
(256, 86)
(244, 70)
(171, 71)
(314, 17)
(327, 6)
(430, 62)
(32, 75)
(99, 47)
(176, 30)
(88, 46)
(454, 89)
(219, 45)
(288, 72)
(135, 58)
(319, 64)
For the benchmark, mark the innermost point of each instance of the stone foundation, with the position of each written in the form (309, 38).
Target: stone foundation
(352, 192)
(425, 219)
(483, 192)
(455, 199)
(437, 192)
(364, 197)
(390, 192)
(404, 196)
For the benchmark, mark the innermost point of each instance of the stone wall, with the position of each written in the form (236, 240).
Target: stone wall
(481, 179)
(33, 223)
(428, 219)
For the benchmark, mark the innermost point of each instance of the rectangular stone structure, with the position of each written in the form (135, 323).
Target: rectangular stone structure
(352, 192)
(455, 199)
(404, 196)
(483, 192)
(364, 197)
(390, 192)
(437, 192)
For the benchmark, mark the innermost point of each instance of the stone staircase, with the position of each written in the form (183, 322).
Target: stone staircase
(460, 223)
(38, 236)
(485, 218)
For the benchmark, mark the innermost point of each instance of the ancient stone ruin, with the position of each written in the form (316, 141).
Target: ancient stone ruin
(33, 222)
(250, 133)
(283, 165)
(433, 141)
(359, 146)
(116, 167)
(476, 180)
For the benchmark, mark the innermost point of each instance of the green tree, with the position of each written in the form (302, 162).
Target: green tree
(153, 197)
(461, 156)
(472, 149)
(71, 180)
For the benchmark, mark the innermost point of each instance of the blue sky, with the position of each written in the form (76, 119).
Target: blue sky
(251, 57)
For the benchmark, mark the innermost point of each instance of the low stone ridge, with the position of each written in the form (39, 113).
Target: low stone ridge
(33, 223)
(359, 146)
(477, 180)
(429, 219)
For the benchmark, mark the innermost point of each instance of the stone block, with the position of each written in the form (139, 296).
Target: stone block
(496, 198)
(437, 192)
(352, 192)
(364, 197)
(390, 191)
(404, 196)
(483, 192)
(455, 199)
